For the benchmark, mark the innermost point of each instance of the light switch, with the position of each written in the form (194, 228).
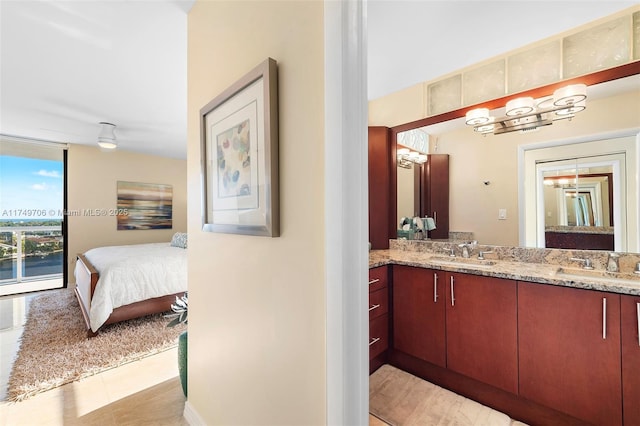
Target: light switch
(502, 214)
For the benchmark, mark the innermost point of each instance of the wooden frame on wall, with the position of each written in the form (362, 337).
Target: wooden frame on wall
(239, 142)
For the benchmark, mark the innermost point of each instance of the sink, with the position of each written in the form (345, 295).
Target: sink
(576, 274)
(462, 261)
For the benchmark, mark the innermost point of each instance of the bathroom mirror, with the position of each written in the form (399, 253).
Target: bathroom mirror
(487, 171)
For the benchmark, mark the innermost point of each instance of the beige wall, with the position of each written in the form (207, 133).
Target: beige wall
(257, 304)
(475, 158)
(92, 184)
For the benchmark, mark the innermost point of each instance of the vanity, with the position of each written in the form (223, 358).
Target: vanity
(528, 332)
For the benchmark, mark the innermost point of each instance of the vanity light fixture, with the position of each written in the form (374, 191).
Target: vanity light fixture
(407, 157)
(527, 114)
(107, 137)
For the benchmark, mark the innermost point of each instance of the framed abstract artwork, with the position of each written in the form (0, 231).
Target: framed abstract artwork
(144, 206)
(239, 141)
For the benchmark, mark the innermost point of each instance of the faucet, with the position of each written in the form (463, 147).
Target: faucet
(586, 262)
(482, 253)
(613, 264)
(467, 248)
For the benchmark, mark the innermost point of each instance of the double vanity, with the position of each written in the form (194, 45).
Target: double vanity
(530, 332)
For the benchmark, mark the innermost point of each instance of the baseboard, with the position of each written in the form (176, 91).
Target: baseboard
(191, 415)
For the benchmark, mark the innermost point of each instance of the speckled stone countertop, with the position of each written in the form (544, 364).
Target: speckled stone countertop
(545, 266)
(608, 230)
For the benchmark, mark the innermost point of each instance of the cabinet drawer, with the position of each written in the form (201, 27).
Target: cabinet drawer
(378, 335)
(378, 303)
(378, 278)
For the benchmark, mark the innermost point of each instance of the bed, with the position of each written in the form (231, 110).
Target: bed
(117, 283)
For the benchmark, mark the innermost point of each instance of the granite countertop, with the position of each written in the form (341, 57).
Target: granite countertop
(544, 273)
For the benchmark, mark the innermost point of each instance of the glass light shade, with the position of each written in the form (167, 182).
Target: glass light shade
(544, 103)
(572, 108)
(477, 116)
(107, 137)
(485, 128)
(519, 106)
(570, 95)
(107, 144)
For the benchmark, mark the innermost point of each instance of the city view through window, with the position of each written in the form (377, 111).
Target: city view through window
(31, 212)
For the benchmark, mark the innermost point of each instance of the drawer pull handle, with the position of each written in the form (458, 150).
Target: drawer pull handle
(373, 281)
(604, 318)
(371, 308)
(435, 287)
(453, 299)
(374, 340)
(638, 316)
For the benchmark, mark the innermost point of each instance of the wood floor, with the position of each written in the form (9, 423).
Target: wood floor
(147, 391)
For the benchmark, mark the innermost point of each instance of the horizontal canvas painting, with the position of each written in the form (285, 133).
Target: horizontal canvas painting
(144, 206)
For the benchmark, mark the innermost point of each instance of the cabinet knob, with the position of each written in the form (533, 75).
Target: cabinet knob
(374, 340)
(372, 307)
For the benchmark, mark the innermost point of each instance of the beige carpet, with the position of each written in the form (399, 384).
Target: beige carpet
(55, 350)
(400, 399)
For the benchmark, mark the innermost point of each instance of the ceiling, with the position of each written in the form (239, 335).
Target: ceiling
(65, 66)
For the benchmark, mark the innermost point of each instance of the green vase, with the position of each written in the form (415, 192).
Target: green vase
(182, 361)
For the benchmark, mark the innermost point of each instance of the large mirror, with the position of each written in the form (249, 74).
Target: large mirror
(489, 175)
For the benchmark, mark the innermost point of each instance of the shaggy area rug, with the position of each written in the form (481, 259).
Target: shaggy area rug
(55, 350)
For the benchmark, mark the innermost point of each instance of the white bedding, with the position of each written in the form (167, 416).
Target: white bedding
(134, 273)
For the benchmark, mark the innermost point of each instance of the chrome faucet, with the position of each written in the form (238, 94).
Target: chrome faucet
(613, 264)
(586, 262)
(482, 253)
(467, 248)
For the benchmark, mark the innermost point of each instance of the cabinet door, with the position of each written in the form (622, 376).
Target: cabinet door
(630, 315)
(481, 318)
(435, 193)
(380, 187)
(418, 313)
(569, 351)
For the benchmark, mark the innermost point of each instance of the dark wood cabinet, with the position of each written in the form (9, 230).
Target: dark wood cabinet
(630, 321)
(419, 313)
(569, 351)
(481, 317)
(434, 193)
(381, 187)
(378, 316)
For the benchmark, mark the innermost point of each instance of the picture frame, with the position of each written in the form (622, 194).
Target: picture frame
(239, 142)
(143, 206)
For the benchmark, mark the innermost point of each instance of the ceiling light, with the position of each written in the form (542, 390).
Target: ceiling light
(107, 137)
(526, 114)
